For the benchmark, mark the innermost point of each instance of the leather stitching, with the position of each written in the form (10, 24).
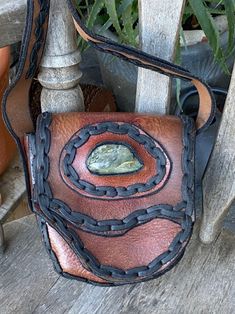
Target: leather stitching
(110, 273)
(39, 35)
(136, 218)
(59, 270)
(116, 128)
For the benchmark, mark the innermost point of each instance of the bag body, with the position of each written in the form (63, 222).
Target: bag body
(113, 192)
(124, 227)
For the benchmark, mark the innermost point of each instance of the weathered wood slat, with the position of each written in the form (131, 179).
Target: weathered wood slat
(23, 276)
(12, 189)
(204, 281)
(12, 20)
(160, 22)
(219, 181)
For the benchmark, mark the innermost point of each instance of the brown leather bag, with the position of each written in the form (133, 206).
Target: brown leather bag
(107, 222)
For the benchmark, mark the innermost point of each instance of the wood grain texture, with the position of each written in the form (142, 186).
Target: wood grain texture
(219, 181)
(160, 22)
(204, 281)
(26, 275)
(59, 71)
(12, 20)
(12, 189)
(21, 210)
(2, 239)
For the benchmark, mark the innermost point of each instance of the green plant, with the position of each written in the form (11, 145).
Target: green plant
(204, 12)
(121, 16)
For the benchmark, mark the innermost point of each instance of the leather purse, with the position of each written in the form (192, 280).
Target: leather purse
(113, 192)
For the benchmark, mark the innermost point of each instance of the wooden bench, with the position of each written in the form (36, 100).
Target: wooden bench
(158, 37)
(159, 26)
(203, 282)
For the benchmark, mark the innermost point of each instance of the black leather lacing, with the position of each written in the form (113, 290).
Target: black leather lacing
(45, 197)
(159, 154)
(39, 38)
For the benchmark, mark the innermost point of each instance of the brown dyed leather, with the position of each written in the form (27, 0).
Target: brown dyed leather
(138, 247)
(132, 248)
(205, 105)
(167, 130)
(141, 176)
(68, 260)
(98, 99)
(17, 107)
(17, 114)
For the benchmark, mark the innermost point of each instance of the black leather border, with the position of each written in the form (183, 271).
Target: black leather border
(187, 191)
(83, 135)
(61, 225)
(46, 240)
(142, 59)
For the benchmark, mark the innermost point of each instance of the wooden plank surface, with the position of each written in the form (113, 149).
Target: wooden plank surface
(219, 181)
(159, 25)
(12, 20)
(204, 281)
(12, 189)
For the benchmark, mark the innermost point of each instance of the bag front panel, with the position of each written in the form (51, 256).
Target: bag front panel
(126, 226)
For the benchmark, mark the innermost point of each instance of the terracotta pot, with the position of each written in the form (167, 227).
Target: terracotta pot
(7, 145)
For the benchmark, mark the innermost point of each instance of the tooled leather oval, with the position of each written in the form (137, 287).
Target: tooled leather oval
(149, 179)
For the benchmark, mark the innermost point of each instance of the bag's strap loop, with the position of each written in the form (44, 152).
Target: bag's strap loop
(16, 106)
(16, 102)
(207, 105)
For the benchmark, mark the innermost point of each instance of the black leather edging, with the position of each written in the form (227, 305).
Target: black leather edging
(106, 45)
(111, 226)
(110, 273)
(23, 54)
(46, 240)
(60, 225)
(39, 42)
(39, 38)
(83, 135)
(27, 36)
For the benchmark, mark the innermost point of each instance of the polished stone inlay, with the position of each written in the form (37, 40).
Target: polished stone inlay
(110, 159)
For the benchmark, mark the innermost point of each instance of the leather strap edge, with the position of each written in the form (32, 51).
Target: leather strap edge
(207, 101)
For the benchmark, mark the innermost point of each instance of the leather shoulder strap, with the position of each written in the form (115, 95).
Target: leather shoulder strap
(207, 104)
(16, 106)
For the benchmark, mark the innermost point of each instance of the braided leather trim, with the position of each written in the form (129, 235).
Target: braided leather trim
(136, 218)
(59, 270)
(39, 35)
(133, 132)
(45, 196)
(115, 274)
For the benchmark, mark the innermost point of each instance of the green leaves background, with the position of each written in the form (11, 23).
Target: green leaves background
(121, 16)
